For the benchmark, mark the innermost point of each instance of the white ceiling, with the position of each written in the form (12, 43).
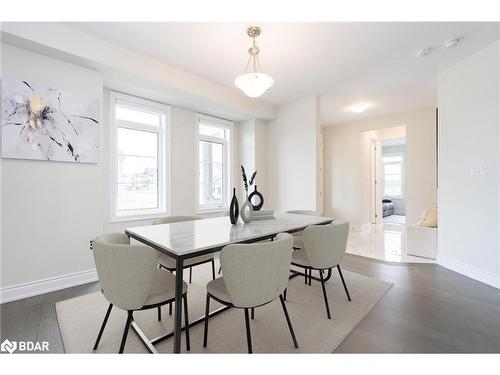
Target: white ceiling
(345, 63)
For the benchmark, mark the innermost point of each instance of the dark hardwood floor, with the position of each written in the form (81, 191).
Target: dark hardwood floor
(429, 309)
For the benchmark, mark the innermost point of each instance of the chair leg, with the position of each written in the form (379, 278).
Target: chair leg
(170, 304)
(220, 270)
(205, 331)
(310, 275)
(213, 269)
(282, 300)
(325, 296)
(249, 337)
(125, 331)
(252, 313)
(343, 282)
(103, 325)
(284, 294)
(190, 274)
(305, 276)
(186, 322)
(159, 313)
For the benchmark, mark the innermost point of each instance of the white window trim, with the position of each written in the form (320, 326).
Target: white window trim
(164, 157)
(403, 171)
(228, 160)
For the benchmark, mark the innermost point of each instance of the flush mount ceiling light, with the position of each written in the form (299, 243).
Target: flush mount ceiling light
(253, 83)
(451, 43)
(360, 107)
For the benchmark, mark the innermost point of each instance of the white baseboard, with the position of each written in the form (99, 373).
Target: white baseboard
(470, 271)
(35, 288)
(361, 228)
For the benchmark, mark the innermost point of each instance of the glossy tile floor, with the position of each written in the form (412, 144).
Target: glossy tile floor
(395, 219)
(385, 242)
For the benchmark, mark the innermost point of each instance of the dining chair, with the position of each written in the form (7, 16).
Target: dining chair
(253, 275)
(131, 280)
(324, 248)
(168, 263)
(298, 243)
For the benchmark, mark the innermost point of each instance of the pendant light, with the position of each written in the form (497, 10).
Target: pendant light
(253, 83)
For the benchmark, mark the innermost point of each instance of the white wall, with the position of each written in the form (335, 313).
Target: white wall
(51, 210)
(346, 165)
(469, 130)
(292, 164)
(261, 139)
(247, 142)
(252, 145)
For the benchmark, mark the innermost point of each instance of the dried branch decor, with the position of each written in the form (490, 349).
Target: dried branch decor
(246, 183)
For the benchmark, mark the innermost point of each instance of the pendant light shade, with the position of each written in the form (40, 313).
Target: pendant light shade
(253, 82)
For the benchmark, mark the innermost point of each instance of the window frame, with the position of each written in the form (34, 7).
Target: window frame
(403, 168)
(163, 155)
(228, 153)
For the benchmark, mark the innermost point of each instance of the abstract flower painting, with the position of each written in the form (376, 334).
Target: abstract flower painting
(48, 124)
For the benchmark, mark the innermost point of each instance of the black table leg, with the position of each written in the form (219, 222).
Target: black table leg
(178, 304)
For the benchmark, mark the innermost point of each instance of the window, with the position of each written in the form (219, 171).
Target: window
(139, 152)
(214, 151)
(393, 175)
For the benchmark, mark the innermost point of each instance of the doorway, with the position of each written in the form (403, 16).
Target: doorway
(387, 176)
(393, 170)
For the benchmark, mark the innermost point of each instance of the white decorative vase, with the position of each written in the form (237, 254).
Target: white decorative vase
(246, 210)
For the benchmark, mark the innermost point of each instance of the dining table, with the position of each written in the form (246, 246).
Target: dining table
(188, 239)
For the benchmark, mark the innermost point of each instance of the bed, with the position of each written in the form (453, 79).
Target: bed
(387, 207)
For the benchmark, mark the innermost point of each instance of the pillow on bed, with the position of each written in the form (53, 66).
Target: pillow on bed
(429, 218)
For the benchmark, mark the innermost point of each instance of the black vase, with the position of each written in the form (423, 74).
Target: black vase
(255, 193)
(234, 209)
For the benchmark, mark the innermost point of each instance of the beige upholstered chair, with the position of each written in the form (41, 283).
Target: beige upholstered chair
(297, 236)
(169, 263)
(254, 275)
(131, 280)
(324, 248)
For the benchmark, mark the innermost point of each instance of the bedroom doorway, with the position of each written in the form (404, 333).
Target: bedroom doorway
(393, 180)
(387, 174)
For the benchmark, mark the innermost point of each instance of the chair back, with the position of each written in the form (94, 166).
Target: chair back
(125, 271)
(175, 219)
(257, 273)
(303, 212)
(325, 245)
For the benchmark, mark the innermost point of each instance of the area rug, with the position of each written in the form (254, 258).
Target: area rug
(80, 319)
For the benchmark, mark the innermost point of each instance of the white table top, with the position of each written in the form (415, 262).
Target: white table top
(183, 238)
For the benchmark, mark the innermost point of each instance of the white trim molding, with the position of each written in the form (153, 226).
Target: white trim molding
(35, 288)
(473, 272)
